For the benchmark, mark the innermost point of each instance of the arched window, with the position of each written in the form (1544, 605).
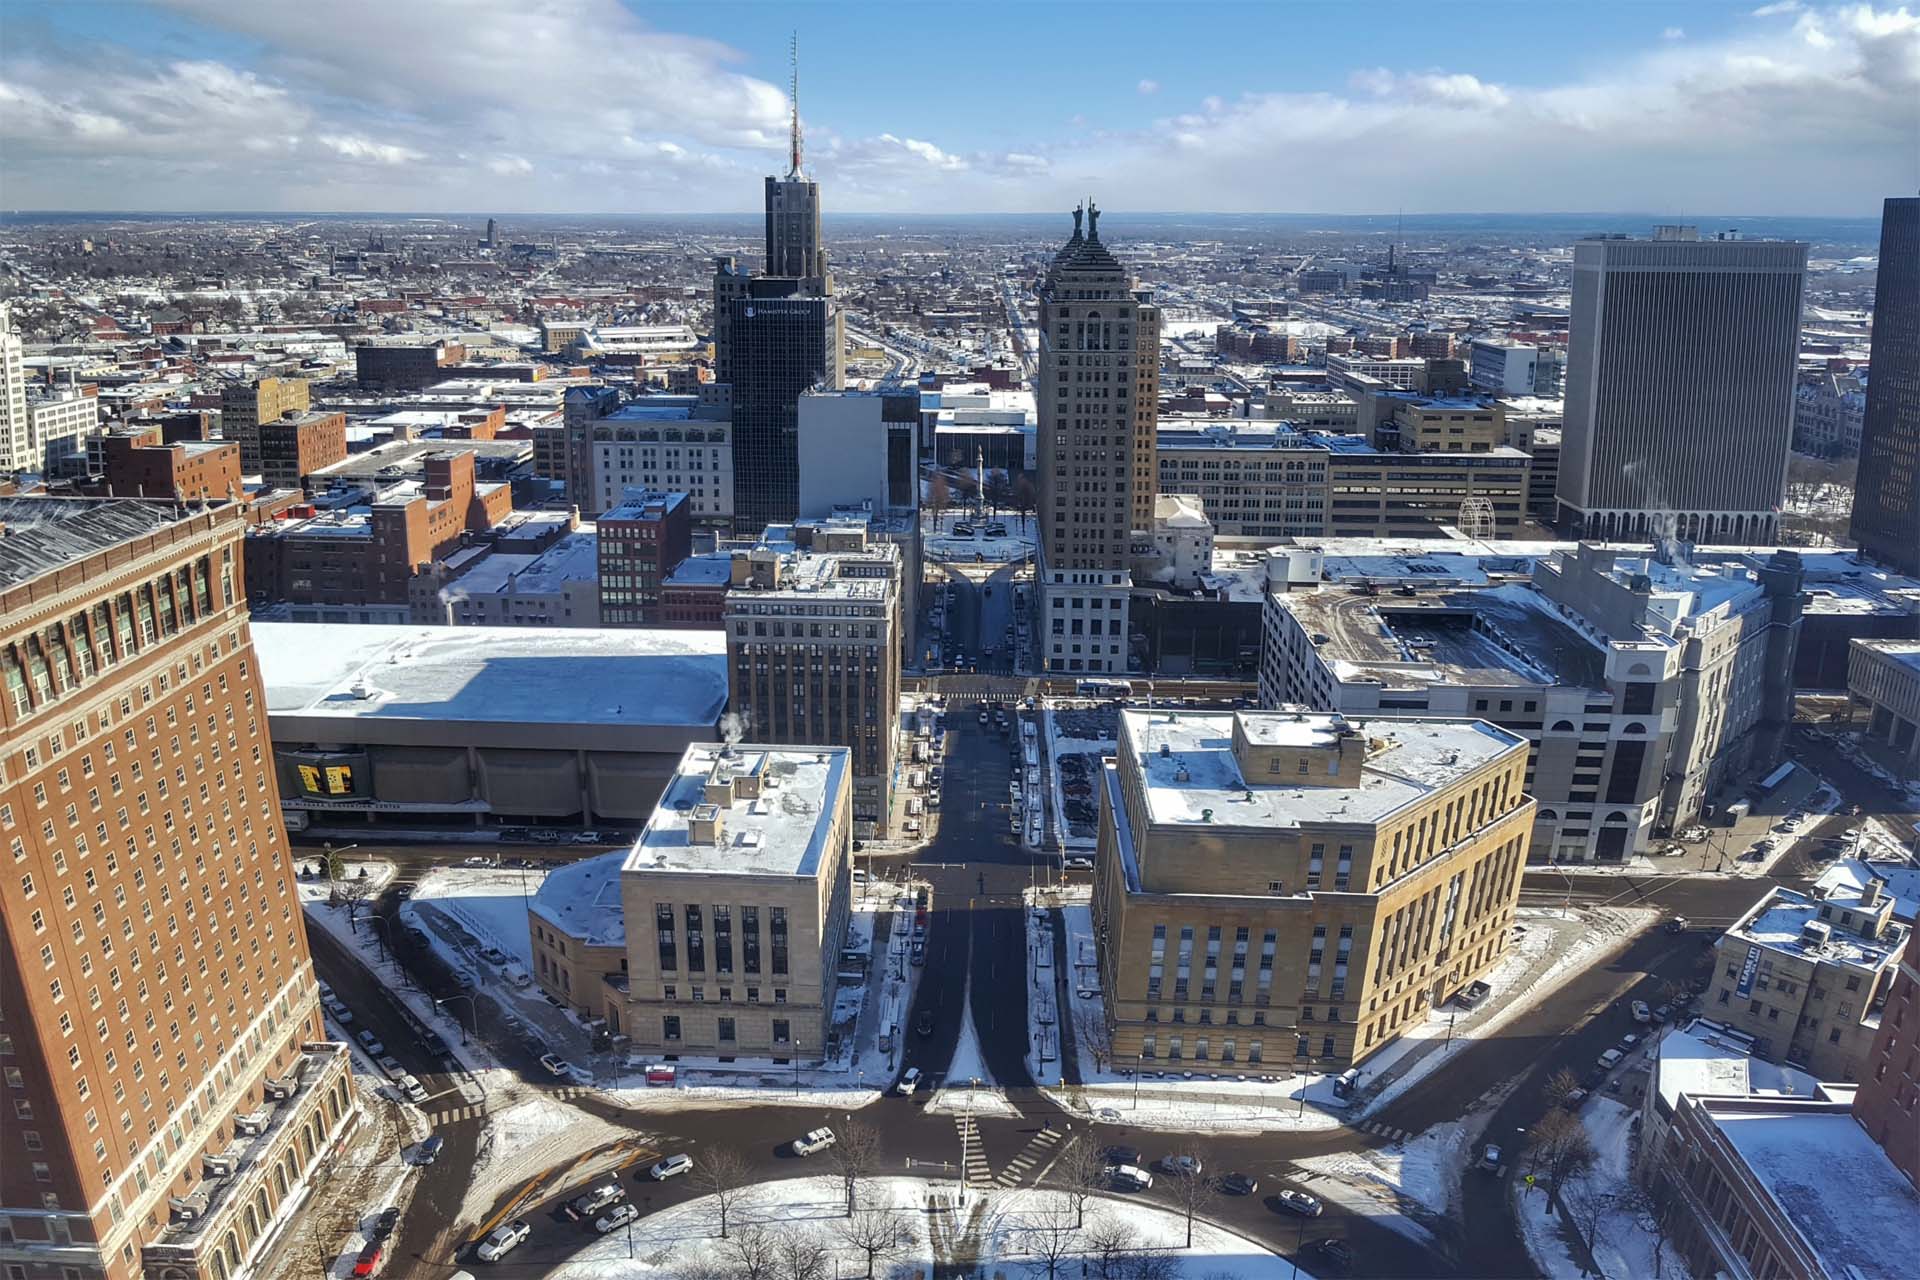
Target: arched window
(1562, 726)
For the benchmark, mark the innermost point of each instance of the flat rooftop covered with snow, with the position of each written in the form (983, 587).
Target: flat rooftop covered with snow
(582, 900)
(1847, 1201)
(1706, 1059)
(1779, 921)
(1198, 779)
(573, 688)
(774, 811)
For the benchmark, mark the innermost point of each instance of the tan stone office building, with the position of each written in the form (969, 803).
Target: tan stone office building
(166, 1078)
(732, 909)
(245, 406)
(1292, 888)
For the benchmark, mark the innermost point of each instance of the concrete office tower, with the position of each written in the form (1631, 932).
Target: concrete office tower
(1680, 377)
(169, 1085)
(1096, 441)
(16, 439)
(813, 649)
(1286, 889)
(1886, 498)
(244, 407)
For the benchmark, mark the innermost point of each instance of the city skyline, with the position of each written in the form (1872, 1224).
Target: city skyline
(190, 106)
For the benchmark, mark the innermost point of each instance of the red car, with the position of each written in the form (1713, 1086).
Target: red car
(368, 1263)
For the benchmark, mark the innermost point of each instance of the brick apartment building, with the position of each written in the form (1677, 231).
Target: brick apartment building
(642, 540)
(364, 554)
(294, 447)
(1888, 1102)
(145, 465)
(169, 1083)
(404, 366)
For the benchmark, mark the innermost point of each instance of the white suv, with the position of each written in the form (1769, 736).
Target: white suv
(817, 1140)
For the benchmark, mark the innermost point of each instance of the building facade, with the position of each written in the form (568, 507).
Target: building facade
(1884, 676)
(1886, 500)
(732, 910)
(1502, 368)
(294, 447)
(1829, 413)
(813, 652)
(404, 365)
(1808, 978)
(1092, 341)
(1888, 1102)
(1295, 889)
(641, 542)
(243, 407)
(59, 422)
(143, 466)
(784, 342)
(1682, 353)
(14, 426)
(170, 1084)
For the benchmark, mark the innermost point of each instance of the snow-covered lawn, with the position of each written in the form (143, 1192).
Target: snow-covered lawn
(359, 879)
(1623, 1244)
(931, 1224)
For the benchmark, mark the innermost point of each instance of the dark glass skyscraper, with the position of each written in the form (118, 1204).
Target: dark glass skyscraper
(1886, 497)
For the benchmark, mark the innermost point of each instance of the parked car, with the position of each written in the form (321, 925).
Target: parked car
(909, 1081)
(1490, 1157)
(1299, 1202)
(1677, 925)
(479, 860)
(1641, 1013)
(371, 1043)
(1573, 1099)
(923, 1024)
(1330, 1251)
(433, 1043)
(371, 1259)
(429, 1151)
(1185, 1166)
(1128, 1177)
(1611, 1059)
(556, 1065)
(411, 1087)
(615, 1218)
(1079, 864)
(1239, 1184)
(1118, 1154)
(671, 1167)
(919, 955)
(341, 1014)
(814, 1140)
(503, 1239)
(1662, 1012)
(590, 1203)
(384, 1224)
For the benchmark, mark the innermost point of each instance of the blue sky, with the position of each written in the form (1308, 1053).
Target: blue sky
(612, 106)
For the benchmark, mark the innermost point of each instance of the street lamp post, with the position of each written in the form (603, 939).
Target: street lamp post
(472, 1011)
(1139, 1060)
(1305, 1083)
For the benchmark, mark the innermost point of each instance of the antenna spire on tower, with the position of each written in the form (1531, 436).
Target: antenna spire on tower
(793, 92)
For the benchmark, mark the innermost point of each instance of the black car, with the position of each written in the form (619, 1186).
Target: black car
(1239, 1184)
(384, 1224)
(1121, 1155)
(1330, 1251)
(923, 1025)
(434, 1044)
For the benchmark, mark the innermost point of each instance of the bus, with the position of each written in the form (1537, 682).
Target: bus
(1772, 781)
(1106, 689)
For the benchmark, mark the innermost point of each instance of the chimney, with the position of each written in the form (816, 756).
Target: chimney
(719, 788)
(1870, 895)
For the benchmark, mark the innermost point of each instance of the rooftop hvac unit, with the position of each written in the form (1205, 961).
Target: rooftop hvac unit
(1815, 933)
(217, 1166)
(278, 1090)
(182, 1210)
(254, 1122)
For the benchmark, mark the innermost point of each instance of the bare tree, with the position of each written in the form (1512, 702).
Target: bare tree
(1558, 1148)
(856, 1155)
(1561, 1085)
(1083, 1174)
(1152, 1262)
(723, 1175)
(800, 1254)
(755, 1252)
(876, 1232)
(939, 497)
(1024, 498)
(1049, 1240)
(1193, 1193)
(1649, 1214)
(1108, 1247)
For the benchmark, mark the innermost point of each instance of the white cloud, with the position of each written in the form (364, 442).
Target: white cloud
(1773, 10)
(366, 150)
(1674, 33)
(1148, 86)
(510, 166)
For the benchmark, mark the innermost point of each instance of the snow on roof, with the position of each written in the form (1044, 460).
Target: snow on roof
(1706, 1059)
(568, 675)
(707, 568)
(1854, 1209)
(582, 899)
(780, 832)
(1848, 876)
(1406, 761)
(1777, 924)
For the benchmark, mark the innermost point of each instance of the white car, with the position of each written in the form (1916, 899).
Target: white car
(671, 1167)
(616, 1218)
(503, 1240)
(1641, 1013)
(410, 1086)
(1128, 1177)
(909, 1081)
(556, 1065)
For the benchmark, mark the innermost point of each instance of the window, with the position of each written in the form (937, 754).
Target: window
(670, 1027)
(781, 1032)
(726, 1030)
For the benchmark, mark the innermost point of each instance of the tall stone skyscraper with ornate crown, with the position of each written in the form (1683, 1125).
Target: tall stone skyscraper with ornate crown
(1098, 393)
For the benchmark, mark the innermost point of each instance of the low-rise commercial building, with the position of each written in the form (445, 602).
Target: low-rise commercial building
(1298, 889)
(244, 406)
(404, 364)
(731, 910)
(1643, 687)
(294, 447)
(59, 420)
(813, 648)
(479, 725)
(141, 465)
(695, 593)
(1884, 677)
(662, 443)
(1888, 1103)
(1807, 978)
(557, 587)
(1828, 413)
